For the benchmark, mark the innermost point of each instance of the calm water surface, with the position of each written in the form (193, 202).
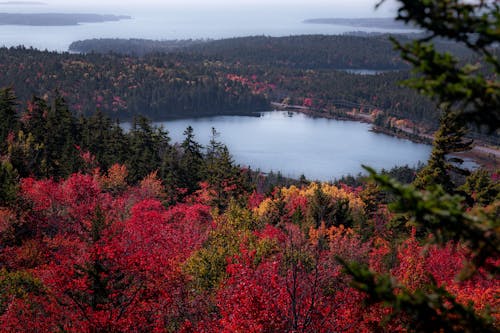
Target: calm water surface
(296, 144)
(170, 22)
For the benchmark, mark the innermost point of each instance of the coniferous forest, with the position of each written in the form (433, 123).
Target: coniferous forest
(106, 230)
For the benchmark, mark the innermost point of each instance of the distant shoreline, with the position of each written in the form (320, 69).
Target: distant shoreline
(22, 3)
(483, 154)
(380, 23)
(57, 19)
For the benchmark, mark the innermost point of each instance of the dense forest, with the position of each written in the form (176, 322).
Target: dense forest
(313, 70)
(298, 52)
(122, 87)
(132, 46)
(162, 86)
(103, 230)
(231, 76)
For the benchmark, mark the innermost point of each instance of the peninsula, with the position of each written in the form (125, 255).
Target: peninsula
(382, 23)
(27, 3)
(56, 19)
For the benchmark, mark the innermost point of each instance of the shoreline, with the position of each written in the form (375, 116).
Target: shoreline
(484, 155)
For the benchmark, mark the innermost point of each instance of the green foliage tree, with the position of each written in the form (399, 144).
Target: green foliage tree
(104, 139)
(148, 146)
(471, 96)
(332, 212)
(447, 140)
(8, 183)
(9, 122)
(481, 187)
(60, 155)
(28, 153)
(471, 89)
(221, 172)
(191, 161)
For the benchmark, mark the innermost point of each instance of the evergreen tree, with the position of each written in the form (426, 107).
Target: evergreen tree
(8, 183)
(331, 212)
(8, 116)
(473, 96)
(104, 139)
(36, 118)
(220, 171)
(29, 155)
(60, 144)
(118, 149)
(191, 162)
(447, 140)
(148, 146)
(481, 187)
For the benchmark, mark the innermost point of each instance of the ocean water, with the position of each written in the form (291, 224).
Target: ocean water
(175, 22)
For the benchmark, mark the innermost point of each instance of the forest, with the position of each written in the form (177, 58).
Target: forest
(168, 79)
(313, 70)
(123, 87)
(103, 230)
(194, 83)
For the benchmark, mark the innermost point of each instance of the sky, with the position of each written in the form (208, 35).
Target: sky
(220, 2)
(331, 8)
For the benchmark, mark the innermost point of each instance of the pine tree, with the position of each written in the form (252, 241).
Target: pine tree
(60, 146)
(148, 145)
(191, 162)
(473, 97)
(28, 154)
(220, 171)
(9, 122)
(8, 183)
(447, 140)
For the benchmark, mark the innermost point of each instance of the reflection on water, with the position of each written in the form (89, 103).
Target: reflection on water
(295, 144)
(365, 71)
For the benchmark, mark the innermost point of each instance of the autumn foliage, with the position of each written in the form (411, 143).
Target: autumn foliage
(93, 253)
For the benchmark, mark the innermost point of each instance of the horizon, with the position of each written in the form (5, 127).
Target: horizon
(323, 8)
(188, 19)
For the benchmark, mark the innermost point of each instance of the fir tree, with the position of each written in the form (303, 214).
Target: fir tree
(8, 116)
(191, 162)
(473, 97)
(447, 140)
(8, 183)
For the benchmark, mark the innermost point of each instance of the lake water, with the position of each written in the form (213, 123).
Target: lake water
(178, 22)
(364, 71)
(295, 144)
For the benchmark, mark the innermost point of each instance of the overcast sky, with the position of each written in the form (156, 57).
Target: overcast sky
(368, 3)
(334, 8)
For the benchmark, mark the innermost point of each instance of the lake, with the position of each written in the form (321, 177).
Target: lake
(295, 144)
(365, 71)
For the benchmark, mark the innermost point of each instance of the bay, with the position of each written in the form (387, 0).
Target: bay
(296, 144)
(168, 22)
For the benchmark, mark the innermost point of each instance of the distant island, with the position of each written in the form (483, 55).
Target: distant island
(56, 19)
(22, 3)
(133, 46)
(382, 23)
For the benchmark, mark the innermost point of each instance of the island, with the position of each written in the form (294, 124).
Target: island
(382, 23)
(56, 19)
(27, 3)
